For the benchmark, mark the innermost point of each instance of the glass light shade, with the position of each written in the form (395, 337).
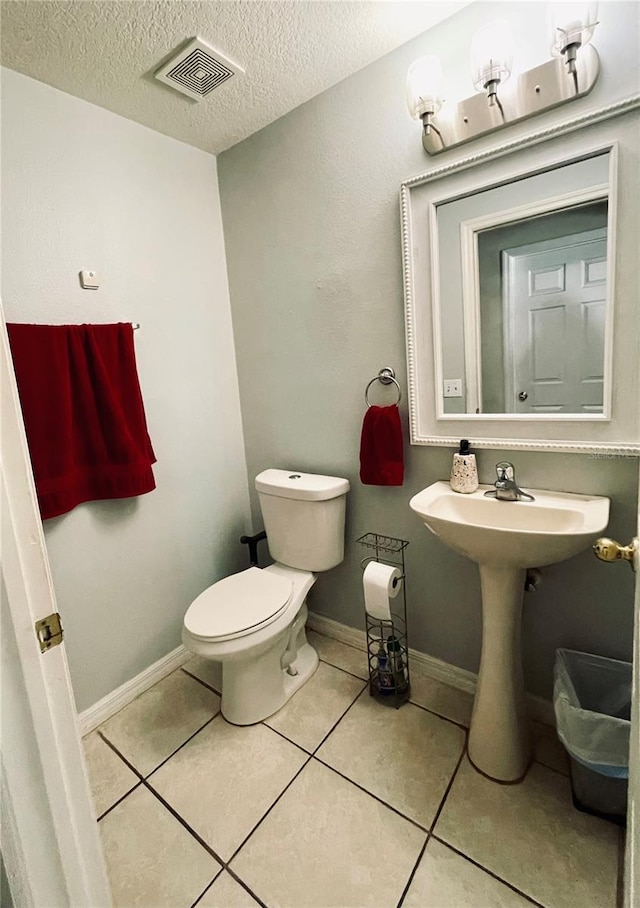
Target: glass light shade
(491, 54)
(424, 87)
(571, 23)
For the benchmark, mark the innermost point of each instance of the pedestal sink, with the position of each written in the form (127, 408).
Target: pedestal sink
(505, 538)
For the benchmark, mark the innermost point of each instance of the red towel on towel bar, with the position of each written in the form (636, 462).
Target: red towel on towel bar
(381, 450)
(83, 413)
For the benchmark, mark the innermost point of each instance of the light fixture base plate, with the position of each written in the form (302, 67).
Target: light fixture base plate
(527, 95)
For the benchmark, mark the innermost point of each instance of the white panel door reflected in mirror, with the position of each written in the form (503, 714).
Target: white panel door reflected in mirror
(542, 314)
(553, 305)
(523, 294)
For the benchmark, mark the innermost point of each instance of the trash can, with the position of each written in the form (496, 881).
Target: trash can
(592, 702)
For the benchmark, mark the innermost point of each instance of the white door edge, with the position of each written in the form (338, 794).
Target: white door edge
(44, 779)
(632, 856)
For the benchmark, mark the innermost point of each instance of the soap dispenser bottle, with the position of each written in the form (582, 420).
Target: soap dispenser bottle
(464, 472)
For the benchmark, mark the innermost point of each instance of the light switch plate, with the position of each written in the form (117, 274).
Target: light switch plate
(453, 387)
(89, 280)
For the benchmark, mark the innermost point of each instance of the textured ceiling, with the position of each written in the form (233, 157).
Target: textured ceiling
(107, 52)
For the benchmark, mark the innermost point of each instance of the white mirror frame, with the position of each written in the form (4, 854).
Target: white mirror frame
(617, 430)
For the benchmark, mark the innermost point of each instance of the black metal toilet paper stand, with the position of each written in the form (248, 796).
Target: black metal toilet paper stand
(387, 643)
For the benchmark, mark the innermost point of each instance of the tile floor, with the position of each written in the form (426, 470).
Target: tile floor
(336, 800)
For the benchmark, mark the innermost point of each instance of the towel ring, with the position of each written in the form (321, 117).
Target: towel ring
(387, 376)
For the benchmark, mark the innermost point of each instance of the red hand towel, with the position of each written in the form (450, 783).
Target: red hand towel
(83, 413)
(381, 451)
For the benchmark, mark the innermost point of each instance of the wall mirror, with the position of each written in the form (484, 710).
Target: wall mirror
(521, 273)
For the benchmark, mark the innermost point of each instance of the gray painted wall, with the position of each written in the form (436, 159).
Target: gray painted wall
(312, 232)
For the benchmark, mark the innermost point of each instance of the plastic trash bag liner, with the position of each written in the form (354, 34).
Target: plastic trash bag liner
(592, 701)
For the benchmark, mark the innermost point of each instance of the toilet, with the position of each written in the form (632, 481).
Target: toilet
(253, 622)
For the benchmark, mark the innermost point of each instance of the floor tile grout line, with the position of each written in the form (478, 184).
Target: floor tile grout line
(366, 791)
(486, 870)
(449, 786)
(200, 681)
(465, 728)
(552, 768)
(366, 680)
(342, 669)
(331, 730)
(244, 886)
(376, 797)
(285, 738)
(444, 683)
(459, 723)
(184, 743)
(122, 757)
(427, 709)
(326, 765)
(120, 800)
(156, 768)
(145, 784)
(414, 871)
(336, 723)
(267, 812)
(223, 864)
(292, 780)
(174, 813)
(207, 888)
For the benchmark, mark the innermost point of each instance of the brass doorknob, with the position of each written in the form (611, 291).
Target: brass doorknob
(609, 550)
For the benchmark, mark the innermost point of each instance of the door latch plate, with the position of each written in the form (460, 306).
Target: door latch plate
(49, 632)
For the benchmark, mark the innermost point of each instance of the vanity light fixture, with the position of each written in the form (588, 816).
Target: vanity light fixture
(571, 73)
(492, 58)
(424, 98)
(572, 26)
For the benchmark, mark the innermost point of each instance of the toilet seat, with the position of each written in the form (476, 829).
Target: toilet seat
(238, 605)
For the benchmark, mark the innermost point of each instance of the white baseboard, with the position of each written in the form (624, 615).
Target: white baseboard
(539, 709)
(95, 715)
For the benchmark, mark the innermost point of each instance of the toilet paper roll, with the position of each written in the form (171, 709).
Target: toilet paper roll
(381, 582)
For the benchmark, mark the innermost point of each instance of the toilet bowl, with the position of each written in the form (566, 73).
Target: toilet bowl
(253, 622)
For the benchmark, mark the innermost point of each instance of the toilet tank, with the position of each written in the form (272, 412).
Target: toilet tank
(304, 518)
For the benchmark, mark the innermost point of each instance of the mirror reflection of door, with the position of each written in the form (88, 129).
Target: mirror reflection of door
(542, 292)
(554, 297)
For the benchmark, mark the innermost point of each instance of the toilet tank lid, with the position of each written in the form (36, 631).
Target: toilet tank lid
(309, 486)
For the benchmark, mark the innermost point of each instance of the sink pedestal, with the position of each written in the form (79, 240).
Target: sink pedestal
(503, 538)
(499, 738)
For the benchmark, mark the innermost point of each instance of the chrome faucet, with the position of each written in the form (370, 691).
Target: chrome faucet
(506, 488)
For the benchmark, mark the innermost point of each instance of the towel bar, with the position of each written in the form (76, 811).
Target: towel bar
(387, 376)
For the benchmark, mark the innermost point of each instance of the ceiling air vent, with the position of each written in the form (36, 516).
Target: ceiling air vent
(197, 70)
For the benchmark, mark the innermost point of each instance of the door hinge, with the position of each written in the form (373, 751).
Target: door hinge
(49, 631)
